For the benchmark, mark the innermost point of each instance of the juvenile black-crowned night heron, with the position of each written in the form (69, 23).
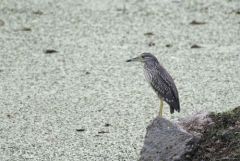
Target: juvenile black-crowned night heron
(160, 80)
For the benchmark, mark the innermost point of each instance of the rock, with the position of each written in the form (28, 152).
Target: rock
(165, 141)
(196, 124)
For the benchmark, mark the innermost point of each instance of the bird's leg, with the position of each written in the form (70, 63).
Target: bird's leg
(161, 107)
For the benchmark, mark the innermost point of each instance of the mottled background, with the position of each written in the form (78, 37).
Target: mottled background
(66, 92)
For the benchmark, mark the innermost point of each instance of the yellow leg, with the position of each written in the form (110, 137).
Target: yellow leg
(161, 107)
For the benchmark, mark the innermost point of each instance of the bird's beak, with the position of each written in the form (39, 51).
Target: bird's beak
(134, 59)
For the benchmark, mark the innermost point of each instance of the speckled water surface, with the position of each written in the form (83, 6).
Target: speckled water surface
(66, 92)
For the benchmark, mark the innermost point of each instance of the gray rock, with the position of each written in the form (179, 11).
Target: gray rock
(196, 124)
(165, 141)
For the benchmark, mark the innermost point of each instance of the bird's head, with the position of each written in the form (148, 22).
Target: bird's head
(144, 57)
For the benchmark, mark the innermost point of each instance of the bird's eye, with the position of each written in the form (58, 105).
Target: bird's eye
(143, 56)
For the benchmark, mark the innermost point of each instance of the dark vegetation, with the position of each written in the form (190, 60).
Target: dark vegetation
(220, 142)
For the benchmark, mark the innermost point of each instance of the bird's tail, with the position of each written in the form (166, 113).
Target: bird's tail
(175, 106)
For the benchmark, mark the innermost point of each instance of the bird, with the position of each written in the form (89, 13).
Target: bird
(160, 80)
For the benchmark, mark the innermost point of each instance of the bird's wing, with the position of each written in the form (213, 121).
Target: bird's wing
(167, 79)
(159, 85)
(163, 85)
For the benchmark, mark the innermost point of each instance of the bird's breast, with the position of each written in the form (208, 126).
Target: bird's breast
(148, 75)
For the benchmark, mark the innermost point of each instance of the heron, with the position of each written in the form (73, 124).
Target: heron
(160, 80)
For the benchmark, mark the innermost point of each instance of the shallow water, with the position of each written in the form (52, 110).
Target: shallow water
(87, 84)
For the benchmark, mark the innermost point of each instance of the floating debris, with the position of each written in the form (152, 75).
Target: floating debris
(50, 51)
(38, 12)
(194, 22)
(26, 29)
(123, 10)
(195, 46)
(103, 132)
(151, 44)
(168, 45)
(148, 34)
(80, 130)
(107, 125)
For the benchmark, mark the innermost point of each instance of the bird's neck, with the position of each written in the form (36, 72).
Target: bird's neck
(151, 65)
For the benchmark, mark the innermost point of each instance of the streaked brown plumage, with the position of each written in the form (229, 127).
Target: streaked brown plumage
(160, 80)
